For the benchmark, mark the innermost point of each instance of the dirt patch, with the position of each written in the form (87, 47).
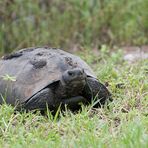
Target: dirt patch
(134, 53)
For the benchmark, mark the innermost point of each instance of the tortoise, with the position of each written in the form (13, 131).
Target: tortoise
(44, 76)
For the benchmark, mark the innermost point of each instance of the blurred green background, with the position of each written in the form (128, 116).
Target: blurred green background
(70, 23)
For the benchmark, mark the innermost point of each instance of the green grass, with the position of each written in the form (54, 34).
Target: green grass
(123, 124)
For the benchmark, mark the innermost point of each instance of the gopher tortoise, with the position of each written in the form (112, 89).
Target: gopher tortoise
(37, 77)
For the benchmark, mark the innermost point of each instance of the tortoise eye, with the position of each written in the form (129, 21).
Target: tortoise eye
(70, 73)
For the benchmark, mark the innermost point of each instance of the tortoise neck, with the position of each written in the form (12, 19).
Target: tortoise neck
(65, 91)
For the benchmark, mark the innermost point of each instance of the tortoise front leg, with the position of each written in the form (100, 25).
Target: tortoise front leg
(41, 100)
(96, 91)
(74, 103)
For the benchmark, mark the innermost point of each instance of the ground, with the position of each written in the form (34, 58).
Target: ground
(123, 123)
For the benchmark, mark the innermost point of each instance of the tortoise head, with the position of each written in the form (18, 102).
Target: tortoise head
(74, 77)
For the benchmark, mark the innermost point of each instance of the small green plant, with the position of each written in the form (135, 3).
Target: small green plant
(7, 77)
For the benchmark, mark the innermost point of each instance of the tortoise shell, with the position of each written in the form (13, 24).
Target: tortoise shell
(33, 70)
